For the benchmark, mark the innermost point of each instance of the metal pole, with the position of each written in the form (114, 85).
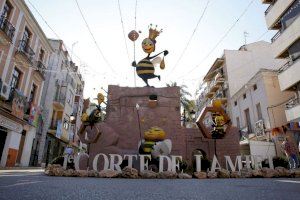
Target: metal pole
(215, 147)
(139, 124)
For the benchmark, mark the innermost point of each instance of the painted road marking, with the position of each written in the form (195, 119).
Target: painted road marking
(8, 175)
(25, 183)
(288, 181)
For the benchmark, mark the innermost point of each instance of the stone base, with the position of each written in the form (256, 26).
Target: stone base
(131, 173)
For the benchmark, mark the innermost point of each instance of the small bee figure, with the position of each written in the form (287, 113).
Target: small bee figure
(95, 115)
(145, 67)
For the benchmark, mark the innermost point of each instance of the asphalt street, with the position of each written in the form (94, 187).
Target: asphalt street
(35, 185)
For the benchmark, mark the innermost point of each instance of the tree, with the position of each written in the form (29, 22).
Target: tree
(186, 104)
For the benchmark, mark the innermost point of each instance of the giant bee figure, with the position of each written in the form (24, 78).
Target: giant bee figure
(145, 67)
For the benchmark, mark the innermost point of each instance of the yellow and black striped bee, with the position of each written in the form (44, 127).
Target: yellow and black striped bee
(145, 68)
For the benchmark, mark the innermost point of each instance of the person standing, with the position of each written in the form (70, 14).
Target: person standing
(290, 153)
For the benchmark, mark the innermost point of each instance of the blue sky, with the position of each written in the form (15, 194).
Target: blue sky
(178, 18)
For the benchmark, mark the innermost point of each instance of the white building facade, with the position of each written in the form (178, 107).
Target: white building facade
(284, 16)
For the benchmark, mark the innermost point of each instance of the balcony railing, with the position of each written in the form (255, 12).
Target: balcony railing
(25, 49)
(276, 36)
(292, 103)
(61, 99)
(270, 7)
(41, 68)
(289, 63)
(7, 27)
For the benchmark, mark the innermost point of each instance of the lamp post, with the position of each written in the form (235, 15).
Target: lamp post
(72, 119)
(137, 106)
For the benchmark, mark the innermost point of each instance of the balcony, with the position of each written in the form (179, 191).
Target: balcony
(40, 68)
(7, 31)
(289, 74)
(285, 38)
(267, 1)
(292, 111)
(24, 52)
(220, 96)
(208, 93)
(59, 102)
(275, 12)
(271, 2)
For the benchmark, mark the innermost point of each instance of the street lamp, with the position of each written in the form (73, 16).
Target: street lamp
(72, 117)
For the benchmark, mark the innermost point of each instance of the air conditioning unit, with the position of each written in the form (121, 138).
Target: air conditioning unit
(5, 91)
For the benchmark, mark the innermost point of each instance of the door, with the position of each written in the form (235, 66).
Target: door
(248, 120)
(21, 146)
(3, 135)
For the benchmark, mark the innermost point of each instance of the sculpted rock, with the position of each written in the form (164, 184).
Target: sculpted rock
(269, 173)
(70, 173)
(212, 175)
(184, 176)
(235, 174)
(108, 173)
(58, 171)
(295, 173)
(283, 172)
(147, 174)
(82, 173)
(223, 173)
(167, 175)
(257, 173)
(246, 173)
(92, 173)
(200, 175)
(129, 172)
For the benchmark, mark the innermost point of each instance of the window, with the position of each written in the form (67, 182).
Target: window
(244, 96)
(41, 55)
(32, 93)
(238, 122)
(16, 79)
(235, 103)
(258, 109)
(25, 39)
(247, 120)
(6, 10)
(254, 87)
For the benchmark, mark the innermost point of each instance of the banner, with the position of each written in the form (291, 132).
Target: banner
(59, 129)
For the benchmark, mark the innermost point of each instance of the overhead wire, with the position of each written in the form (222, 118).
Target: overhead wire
(221, 39)
(58, 37)
(122, 23)
(190, 39)
(93, 38)
(135, 13)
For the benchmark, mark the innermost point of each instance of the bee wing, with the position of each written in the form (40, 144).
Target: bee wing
(156, 61)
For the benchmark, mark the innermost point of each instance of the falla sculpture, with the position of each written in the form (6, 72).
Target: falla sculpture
(145, 67)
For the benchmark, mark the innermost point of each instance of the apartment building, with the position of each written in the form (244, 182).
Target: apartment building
(233, 70)
(24, 57)
(284, 16)
(62, 101)
(258, 109)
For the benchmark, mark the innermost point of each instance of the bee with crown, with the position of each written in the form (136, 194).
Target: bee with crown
(145, 67)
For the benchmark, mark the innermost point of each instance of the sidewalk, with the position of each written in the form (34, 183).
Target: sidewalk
(20, 169)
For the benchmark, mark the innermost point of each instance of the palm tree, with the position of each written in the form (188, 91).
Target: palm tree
(186, 104)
